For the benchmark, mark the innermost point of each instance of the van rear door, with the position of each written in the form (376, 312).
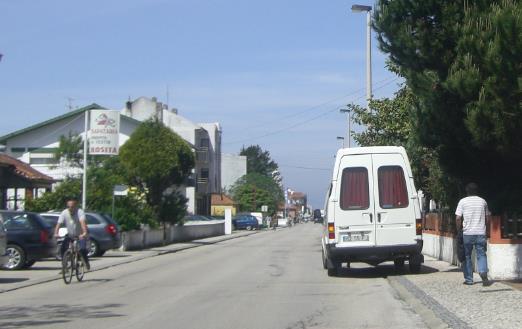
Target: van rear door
(395, 215)
(354, 206)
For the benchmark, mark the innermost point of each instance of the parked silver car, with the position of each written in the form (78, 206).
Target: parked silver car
(104, 232)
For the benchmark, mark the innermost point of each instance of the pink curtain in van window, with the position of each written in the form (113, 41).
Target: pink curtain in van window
(354, 189)
(392, 188)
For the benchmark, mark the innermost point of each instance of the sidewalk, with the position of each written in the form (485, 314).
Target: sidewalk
(439, 287)
(47, 270)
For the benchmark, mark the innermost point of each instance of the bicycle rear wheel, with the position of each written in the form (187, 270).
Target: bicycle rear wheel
(67, 267)
(80, 267)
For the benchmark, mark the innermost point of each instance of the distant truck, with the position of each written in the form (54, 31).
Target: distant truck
(318, 216)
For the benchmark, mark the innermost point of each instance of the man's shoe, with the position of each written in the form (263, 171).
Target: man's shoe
(467, 283)
(88, 266)
(485, 281)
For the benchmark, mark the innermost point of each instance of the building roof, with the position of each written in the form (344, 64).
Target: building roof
(297, 195)
(218, 199)
(23, 169)
(93, 106)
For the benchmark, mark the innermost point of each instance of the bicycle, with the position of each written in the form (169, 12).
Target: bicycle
(73, 262)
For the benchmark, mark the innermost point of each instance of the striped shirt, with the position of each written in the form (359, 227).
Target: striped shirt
(473, 209)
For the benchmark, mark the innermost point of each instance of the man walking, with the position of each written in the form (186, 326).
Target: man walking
(74, 220)
(472, 212)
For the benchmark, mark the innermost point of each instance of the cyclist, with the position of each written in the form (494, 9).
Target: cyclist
(74, 219)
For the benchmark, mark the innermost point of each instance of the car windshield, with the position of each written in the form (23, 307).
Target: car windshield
(50, 219)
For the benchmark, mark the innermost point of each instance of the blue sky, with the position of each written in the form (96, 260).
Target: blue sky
(272, 72)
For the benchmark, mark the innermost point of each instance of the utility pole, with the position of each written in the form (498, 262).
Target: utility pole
(368, 10)
(348, 111)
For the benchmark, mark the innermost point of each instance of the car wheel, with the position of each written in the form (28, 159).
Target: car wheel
(94, 249)
(29, 263)
(398, 263)
(415, 263)
(248, 228)
(16, 256)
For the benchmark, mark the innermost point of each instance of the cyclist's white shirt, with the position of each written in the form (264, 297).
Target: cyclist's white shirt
(72, 222)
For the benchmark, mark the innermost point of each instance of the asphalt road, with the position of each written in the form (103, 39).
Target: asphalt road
(273, 279)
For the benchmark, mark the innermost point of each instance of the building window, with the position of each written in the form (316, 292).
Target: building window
(204, 142)
(204, 173)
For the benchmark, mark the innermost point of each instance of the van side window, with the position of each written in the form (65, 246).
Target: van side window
(354, 189)
(392, 187)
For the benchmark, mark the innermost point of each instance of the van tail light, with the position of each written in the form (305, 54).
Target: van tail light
(111, 229)
(331, 231)
(418, 226)
(44, 236)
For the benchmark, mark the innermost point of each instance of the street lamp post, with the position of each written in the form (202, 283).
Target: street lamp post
(349, 125)
(367, 9)
(341, 138)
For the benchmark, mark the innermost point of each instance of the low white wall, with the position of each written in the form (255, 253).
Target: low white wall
(504, 260)
(440, 247)
(197, 230)
(141, 239)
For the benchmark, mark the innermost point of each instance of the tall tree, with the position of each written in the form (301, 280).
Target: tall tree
(463, 62)
(157, 160)
(259, 161)
(390, 122)
(254, 190)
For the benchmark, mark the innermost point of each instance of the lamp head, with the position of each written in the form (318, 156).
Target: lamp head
(361, 8)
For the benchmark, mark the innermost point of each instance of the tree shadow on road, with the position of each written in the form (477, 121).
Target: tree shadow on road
(12, 280)
(49, 314)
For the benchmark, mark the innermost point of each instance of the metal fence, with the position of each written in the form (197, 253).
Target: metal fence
(511, 226)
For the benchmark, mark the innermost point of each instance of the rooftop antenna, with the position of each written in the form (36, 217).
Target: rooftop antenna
(168, 96)
(69, 103)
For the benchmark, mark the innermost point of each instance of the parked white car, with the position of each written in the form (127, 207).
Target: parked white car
(372, 211)
(282, 222)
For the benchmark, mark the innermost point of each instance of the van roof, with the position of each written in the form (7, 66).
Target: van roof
(370, 150)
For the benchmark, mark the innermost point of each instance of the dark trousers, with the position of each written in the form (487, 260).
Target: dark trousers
(82, 244)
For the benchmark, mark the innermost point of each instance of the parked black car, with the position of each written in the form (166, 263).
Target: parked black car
(29, 239)
(104, 232)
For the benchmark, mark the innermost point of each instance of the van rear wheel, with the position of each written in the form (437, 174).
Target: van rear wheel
(415, 263)
(332, 271)
(398, 263)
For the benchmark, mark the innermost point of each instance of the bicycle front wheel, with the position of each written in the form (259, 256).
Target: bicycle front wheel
(80, 267)
(67, 267)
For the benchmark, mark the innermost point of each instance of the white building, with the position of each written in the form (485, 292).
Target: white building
(233, 168)
(36, 145)
(205, 138)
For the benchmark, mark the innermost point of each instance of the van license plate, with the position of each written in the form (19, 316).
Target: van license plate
(354, 237)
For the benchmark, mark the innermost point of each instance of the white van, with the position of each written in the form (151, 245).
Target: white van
(372, 212)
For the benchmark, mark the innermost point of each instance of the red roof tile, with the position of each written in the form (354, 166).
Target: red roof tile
(23, 169)
(221, 200)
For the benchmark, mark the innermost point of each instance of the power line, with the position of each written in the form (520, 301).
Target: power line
(307, 168)
(275, 132)
(315, 106)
